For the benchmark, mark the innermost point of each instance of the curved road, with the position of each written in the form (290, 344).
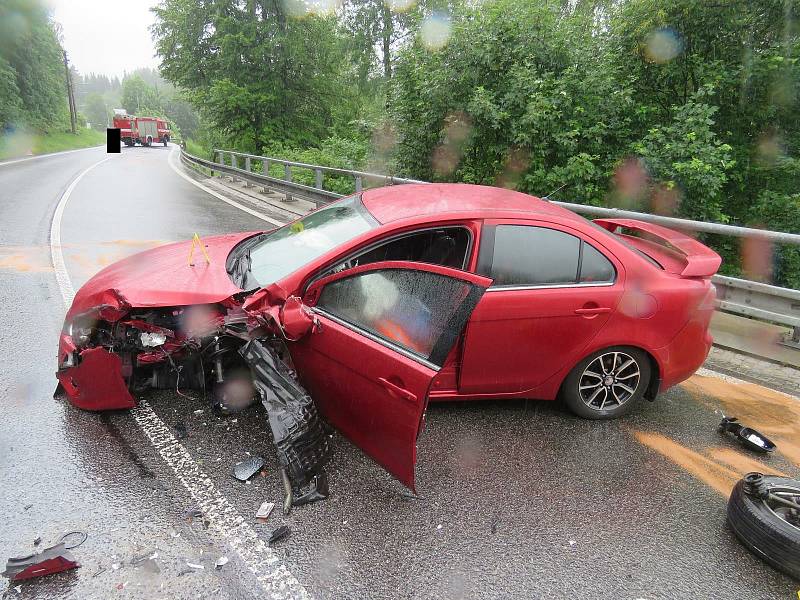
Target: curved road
(517, 499)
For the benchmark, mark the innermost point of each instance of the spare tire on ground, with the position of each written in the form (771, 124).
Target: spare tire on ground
(761, 514)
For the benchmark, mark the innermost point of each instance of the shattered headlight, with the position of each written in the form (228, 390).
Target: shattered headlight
(80, 334)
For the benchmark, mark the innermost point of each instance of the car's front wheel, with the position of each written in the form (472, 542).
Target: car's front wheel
(607, 383)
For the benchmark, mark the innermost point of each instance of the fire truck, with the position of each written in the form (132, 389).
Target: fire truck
(141, 130)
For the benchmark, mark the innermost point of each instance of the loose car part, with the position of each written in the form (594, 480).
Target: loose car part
(764, 513)
(50, 560)
(748, 437)
(245, 469)
(265, 510)
(281, 533)
(297, 431)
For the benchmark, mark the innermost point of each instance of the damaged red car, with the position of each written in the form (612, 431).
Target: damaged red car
(370, 307)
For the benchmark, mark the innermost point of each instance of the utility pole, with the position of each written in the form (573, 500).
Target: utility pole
(70, 97)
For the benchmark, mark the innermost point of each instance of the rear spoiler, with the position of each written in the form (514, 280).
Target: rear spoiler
(701, 261)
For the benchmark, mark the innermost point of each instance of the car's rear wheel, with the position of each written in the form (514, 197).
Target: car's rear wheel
(607, 384)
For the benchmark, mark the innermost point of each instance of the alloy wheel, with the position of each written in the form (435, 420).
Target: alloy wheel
(609, 381)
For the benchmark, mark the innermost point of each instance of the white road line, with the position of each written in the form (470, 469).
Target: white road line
(208, 190)
(38, 156)
(224, 520)
(60, 268)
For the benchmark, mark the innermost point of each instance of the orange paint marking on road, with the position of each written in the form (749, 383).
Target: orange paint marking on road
(716, 476)
(25, 259)
(741, 463)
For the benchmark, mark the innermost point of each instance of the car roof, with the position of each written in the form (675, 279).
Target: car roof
(395, 202)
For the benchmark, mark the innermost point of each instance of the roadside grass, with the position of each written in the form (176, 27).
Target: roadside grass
(24, 143)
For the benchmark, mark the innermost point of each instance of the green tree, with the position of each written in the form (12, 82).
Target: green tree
(30, 50)
(686, 154)
(184, 116)
(10, 101)
(258, 70)
(140, 98)
(96, 111)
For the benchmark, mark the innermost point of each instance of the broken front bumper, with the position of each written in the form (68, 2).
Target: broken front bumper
(95, 380)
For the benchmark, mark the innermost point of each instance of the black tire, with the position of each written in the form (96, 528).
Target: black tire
(760, 530)
(611, 401)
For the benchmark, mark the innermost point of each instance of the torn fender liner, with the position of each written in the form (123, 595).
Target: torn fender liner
(96, 383)
(303, 448)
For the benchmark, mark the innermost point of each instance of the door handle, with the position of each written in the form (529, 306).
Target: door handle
(597, 310)
(400, 391)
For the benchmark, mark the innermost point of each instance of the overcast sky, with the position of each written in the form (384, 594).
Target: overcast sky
(106, 36)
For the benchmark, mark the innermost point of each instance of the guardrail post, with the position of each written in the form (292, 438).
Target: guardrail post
(793, 339)
(265, 172)
(246, 168)
(235, 165)
(359, 186)
(287, 172)
(318, 178)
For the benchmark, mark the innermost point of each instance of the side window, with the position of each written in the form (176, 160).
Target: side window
(527, 255)
(595, 268)
(420, 311)
(446, 246)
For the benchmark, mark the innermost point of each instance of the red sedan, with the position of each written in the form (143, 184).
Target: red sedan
(370, 307)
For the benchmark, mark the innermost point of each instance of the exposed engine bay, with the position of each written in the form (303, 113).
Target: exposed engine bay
(231, 352)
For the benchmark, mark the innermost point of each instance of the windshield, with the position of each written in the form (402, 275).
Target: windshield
(278, 253)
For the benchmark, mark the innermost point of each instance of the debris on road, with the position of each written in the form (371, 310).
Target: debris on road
(50, 560)
(749, 438)
(245, 469)
(190, 513)
(764, 513)
(195, 565)
(281, 533)
(81, 535)
(221, 562)
(180, 430)
(264, 510)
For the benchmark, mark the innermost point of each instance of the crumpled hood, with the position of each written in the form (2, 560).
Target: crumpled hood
(162, 276)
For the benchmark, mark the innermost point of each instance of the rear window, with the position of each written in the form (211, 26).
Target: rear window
(526, 255)
(529, 255)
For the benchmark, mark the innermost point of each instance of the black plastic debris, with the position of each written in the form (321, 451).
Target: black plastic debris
(247, 468)
(749, 438)
(317, 490)
(181, 432)
(281, 533)
(191, 513)
(50, 560)
(297, 429)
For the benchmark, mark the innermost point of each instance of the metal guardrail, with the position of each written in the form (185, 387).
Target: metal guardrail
(739, 296)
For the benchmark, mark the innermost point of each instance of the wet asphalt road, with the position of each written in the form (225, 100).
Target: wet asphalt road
(516, 499)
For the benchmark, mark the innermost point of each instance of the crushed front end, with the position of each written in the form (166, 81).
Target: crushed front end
(232, 354)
